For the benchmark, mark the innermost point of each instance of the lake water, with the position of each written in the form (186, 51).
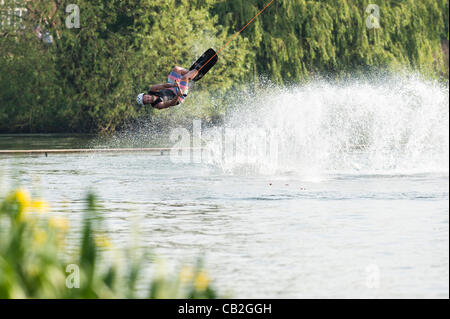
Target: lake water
(321, 219)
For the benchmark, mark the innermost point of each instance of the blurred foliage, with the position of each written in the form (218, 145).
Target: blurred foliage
(87, 80)
(35, 262)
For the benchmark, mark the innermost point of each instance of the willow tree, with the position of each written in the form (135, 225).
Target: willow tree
(297, 38)
(87, 79)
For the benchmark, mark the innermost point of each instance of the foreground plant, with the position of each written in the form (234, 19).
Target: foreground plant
(34, 262)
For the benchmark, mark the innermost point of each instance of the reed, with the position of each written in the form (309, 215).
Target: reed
(35, 263)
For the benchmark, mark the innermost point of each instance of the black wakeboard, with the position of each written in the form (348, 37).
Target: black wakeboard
(204, 63)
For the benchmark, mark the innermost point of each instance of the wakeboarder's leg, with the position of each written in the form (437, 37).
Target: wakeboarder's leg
(189, 75)
(180, 70)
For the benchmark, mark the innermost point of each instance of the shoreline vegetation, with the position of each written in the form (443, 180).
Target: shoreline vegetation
(85, 80)
(37, 262)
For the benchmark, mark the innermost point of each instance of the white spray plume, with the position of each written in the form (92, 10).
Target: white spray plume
(396, 125)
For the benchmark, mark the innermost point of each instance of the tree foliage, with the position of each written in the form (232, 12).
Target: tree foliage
(87, 80)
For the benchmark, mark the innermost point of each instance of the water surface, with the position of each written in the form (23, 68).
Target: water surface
(262, 235)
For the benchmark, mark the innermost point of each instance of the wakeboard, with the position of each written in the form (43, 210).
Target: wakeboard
(204, 63)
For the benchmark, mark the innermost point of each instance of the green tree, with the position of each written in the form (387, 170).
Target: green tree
(87, 80)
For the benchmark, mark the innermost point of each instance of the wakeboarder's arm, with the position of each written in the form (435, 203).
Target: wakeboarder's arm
(173, 102)
(165, 105)
(159, 87)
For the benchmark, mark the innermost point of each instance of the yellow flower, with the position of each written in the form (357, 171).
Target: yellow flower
(59, 223)
(22, 196)
(102, 241)
(40, 206)
(26, 205)
(186, 274)
(201, 281)
(39, 237)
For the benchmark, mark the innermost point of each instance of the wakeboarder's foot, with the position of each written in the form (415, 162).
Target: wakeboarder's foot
(194, 74)
(191, 75)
